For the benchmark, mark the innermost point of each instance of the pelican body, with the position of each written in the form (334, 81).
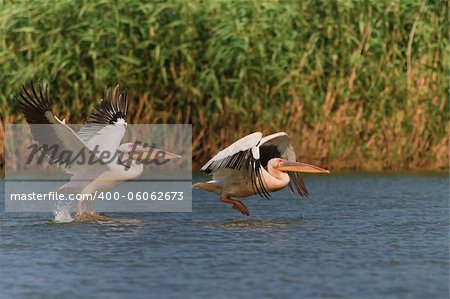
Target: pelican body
(100, 137)
(255, 165)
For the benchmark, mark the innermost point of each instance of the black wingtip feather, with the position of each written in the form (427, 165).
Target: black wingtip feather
(34, 104)
(299, 184)
(113, 107)
(252, 168)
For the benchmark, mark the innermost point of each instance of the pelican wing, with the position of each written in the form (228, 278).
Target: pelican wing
(278, 145)
(106, 125)
(234, 155)
(243, 155)
(59, 142)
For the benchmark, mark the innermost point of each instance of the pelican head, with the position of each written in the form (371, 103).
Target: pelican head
(285, 165)
(146, 152)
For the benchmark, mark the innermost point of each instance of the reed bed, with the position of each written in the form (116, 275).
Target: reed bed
(357, 84)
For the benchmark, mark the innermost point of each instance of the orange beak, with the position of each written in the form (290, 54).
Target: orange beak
(301, 167)
(148, 153)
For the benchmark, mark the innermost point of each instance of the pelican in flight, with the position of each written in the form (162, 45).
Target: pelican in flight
(99, 138)
(255, 165)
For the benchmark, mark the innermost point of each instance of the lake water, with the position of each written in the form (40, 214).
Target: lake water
(357, 236)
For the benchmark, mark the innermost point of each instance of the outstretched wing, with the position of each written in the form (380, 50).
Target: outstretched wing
(106, 125)
(243, 155)
(52, 134)
(278, 145)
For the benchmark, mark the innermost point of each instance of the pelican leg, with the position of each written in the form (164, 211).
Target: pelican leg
(80, 208)
(237, 205)
(89, 210)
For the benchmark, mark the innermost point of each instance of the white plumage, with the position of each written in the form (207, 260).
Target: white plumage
(255, 165)
(100, 138)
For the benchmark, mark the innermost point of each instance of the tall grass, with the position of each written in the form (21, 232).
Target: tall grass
(357, 84)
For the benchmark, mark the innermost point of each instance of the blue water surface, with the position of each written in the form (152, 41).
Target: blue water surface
(356, 236)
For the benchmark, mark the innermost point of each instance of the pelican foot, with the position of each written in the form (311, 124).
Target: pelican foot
(237, 205)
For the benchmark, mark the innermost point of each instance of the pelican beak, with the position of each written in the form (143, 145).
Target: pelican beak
(301, 167)
(147, 153)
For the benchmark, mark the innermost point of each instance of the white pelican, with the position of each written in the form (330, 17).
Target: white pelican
(255, 165)
(96, 160)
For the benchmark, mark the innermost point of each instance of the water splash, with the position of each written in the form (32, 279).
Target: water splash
(62, 213)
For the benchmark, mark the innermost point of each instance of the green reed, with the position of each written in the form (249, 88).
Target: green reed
(357, 84)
